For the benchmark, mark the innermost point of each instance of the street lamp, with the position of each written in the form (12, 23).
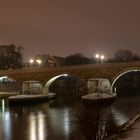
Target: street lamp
(31, 62)
(102, 58)
(39, 62)
(97, 56)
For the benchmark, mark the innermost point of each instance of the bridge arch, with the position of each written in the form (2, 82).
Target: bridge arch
(6, 79)
(66, 84)
(121, 74)
(8, 84)
(48, 83)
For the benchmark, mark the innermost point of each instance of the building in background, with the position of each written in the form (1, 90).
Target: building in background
(45, 60)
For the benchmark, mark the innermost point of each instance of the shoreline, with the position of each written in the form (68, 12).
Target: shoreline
(125, 127)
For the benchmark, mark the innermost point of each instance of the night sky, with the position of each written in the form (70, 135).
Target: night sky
(63, 27)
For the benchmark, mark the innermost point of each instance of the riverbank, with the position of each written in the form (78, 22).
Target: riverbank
(133, 133)
(129, 130)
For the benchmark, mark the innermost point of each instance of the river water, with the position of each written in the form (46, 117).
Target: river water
(57, 120)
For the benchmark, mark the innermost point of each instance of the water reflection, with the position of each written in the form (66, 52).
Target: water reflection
(5, 120)
(66, 122)
(42, 126)
(125, 108)
(7, 124)
(37, 126)
(32, 127)
(119, 118)
(56, 120)
(3, 107)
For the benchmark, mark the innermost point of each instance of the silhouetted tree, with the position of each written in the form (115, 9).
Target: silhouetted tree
(78, 59)
(10, 57)
(136, 58)
(124, 56)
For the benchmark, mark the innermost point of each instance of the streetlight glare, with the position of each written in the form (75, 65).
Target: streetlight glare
(102, 57)
(39, 61)
(97, 56)
(31, 61)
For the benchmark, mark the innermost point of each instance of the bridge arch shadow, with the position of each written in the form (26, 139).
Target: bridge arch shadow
(128, 81)
(62, 84)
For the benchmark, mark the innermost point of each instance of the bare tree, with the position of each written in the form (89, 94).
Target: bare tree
(78, 59)
(10, 57)
(124, 56)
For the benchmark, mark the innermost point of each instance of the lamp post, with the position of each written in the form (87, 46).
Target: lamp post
(31, 62)
(102, 58)
(39, 62)
(97, 56)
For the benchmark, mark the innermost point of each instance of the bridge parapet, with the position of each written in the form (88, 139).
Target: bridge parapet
(108, 70)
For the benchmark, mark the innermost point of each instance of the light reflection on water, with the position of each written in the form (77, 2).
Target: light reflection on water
(41, 126)
(53, 121)
(7, 125)
(3, 107)
(5, 120)
(66, 122)
(125, 108)
(119, 118)
(32, 127)
(37, 126)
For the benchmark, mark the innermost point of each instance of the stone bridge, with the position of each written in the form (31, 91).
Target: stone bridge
(109, 70)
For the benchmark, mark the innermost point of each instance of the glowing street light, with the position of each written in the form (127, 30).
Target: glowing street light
(39, 62)
(97, 56)
(102, 58)
(31, 62)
